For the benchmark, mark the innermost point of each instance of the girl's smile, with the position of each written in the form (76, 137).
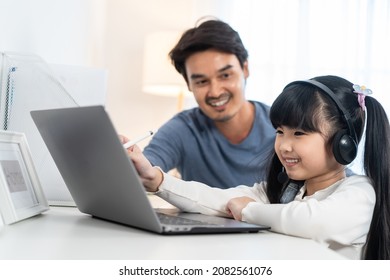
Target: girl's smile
(290, 162)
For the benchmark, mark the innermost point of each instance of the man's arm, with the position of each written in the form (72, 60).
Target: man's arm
(164, 150)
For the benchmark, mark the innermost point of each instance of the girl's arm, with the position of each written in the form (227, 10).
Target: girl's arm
(190, 196)
(198, 197)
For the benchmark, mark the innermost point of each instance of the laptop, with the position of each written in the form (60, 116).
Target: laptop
(103, 180)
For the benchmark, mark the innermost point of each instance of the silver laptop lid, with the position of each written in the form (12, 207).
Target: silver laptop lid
(98, 173)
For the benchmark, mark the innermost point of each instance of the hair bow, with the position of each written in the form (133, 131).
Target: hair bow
(362, 91)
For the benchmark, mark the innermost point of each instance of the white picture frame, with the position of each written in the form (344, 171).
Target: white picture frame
(21, 194)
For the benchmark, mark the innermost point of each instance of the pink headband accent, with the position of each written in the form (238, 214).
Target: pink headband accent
(362, 91)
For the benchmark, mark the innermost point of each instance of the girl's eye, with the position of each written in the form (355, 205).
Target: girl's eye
(278, 131)
(299, 133)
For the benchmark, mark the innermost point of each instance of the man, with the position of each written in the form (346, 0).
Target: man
(226, 140)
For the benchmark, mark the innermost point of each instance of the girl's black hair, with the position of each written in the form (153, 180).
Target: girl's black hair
(306, 107)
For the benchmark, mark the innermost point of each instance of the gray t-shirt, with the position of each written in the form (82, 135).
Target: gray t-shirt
(192, 144)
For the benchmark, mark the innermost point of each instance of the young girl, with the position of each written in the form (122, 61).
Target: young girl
(319, 123)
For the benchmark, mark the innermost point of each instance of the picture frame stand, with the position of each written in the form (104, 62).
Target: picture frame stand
(21, 194)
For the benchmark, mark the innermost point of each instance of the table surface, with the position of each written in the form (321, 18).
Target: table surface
(64, 233)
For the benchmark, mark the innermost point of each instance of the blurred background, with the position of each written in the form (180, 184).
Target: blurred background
(286, 40)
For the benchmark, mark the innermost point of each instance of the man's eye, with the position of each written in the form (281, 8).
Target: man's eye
(200, 82)
(225, 75)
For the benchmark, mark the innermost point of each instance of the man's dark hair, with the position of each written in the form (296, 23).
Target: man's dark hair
(211, 34)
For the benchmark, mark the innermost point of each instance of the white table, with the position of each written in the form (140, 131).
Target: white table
(63, 233)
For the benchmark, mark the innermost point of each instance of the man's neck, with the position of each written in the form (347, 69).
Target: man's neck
(238, 128)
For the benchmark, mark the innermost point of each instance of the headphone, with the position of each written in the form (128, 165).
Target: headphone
(344, 143)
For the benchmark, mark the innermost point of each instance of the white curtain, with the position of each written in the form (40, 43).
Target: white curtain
(300, 39)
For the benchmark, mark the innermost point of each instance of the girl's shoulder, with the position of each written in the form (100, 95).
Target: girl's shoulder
(357, 179)
(351, 186)
(360, 183)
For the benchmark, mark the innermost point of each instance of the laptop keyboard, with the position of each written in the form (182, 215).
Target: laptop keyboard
(174, 220)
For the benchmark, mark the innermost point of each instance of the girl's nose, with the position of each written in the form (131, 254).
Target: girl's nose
(285, 146)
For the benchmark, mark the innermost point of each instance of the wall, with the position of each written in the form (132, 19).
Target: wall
(133, 111)
(63, 32)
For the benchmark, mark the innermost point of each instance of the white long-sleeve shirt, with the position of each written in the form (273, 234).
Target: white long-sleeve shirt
(338, 216)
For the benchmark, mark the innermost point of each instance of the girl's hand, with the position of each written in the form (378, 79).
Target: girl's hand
(123, 139)
(235, 206)
(151, 177)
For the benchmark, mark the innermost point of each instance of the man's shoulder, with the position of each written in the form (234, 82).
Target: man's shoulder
(192, 118)
(260, 105)
(194, 112)
(262, 114)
